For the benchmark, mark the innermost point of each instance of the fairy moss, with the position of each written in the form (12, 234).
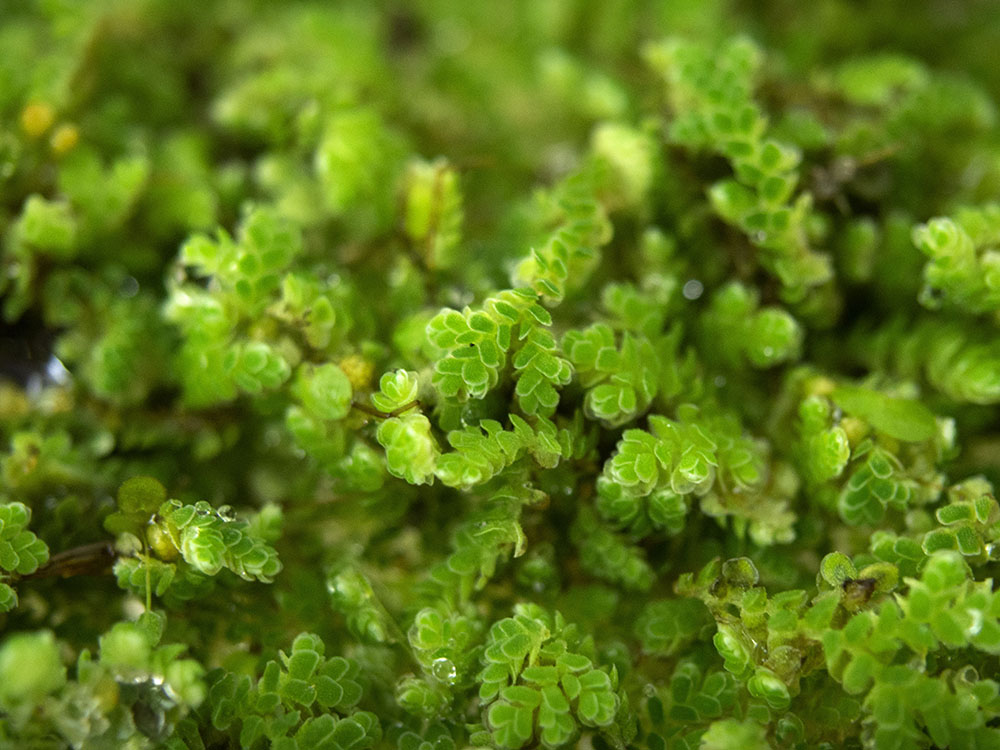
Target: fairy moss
(516, 375)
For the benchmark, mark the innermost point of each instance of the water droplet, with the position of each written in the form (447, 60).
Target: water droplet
(977, 622)
(967, 675)
(56, 371)
(649, 690)
(692, 289)
(719, 381)
(130, 287)
(444, 670)
(768, 351)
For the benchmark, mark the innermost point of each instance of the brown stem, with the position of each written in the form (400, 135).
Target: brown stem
(379, 414)
(89, 559)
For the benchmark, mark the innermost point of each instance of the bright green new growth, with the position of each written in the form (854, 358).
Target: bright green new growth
(545, 374)
(475, 347)
(305, 700)
(964, 267)
(764, 337)
(21, 552)
(711, 94)
(210, 540)
(410, 449)
(537, 683)
(182, 546)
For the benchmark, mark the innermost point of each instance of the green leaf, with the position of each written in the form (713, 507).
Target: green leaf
(899, 418)
(128, 647)
(324, 390)
(396, 390)
(836, 568)
(766, 685)
(554, 718)
(733, 649)
(30, 669)
(8, 598)
(732, 734)
(597, 703)
(49, 226)
(667, 626)
(410, 450)
(20, 550)
(210, 540)
(138, 500)
(433, 212)
(608, 555)
(512, 726)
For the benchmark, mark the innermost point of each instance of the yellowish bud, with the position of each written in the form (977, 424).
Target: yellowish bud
(14, 402)
(161, 543)
(856, 429)
(65, 137)
(37, 118)
(359, 371)
(820, 385)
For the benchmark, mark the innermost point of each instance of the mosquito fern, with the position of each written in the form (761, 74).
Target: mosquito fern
(525, 375)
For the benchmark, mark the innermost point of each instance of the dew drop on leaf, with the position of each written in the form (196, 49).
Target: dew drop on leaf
(444, 670)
